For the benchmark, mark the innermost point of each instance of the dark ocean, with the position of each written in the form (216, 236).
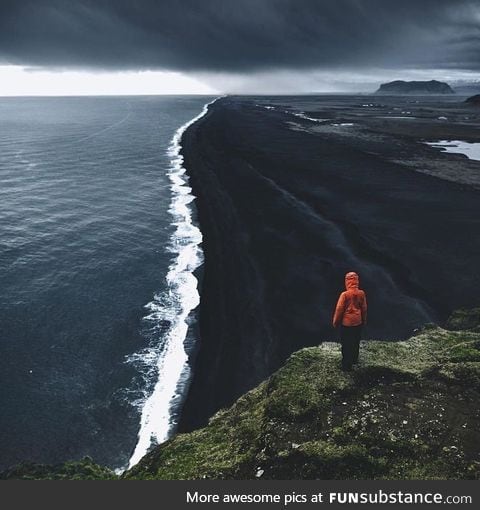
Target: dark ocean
(97, 248)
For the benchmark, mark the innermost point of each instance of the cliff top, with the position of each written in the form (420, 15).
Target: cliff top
(410, 410)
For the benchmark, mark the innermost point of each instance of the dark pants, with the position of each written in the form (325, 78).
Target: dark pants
(350, 337)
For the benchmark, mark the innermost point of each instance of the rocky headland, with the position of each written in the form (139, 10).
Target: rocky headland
(409, 410)
(418, 88)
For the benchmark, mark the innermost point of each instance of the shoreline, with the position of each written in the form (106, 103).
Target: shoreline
(284, 214)
(172, 359)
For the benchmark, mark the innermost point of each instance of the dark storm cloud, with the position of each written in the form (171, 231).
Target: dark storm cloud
(240, 35)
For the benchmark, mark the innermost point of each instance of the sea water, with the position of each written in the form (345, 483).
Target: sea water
(471, 150)
(98, 248)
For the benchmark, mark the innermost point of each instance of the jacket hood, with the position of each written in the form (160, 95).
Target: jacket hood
(351, 280)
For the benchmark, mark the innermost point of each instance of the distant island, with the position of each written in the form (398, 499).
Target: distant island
(400, 87)
(474, 100)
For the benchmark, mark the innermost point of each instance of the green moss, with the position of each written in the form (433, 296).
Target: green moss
(84, 469)
(293, 391)
(464, 319)
(322, 459)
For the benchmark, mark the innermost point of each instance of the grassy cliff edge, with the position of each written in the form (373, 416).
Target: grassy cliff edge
(409, 410)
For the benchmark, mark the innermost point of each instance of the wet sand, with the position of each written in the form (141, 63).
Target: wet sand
(287, 205)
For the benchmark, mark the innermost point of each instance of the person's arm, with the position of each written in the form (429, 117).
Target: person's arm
(339, 309)
(364, 309)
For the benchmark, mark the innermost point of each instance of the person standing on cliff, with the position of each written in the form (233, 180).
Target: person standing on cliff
(351, 315)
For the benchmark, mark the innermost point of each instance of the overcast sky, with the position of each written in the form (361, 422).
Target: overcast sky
(209, 46)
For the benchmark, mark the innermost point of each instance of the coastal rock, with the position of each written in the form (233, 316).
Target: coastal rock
(409, 410)
(474, 100)
(387, 419)
(84, 469)
(400, 87)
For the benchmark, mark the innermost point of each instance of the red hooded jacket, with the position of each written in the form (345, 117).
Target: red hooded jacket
(351, 309)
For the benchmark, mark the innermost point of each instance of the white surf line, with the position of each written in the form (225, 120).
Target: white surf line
(170, 359)
(306, 117)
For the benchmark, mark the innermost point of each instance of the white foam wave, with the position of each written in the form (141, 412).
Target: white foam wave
(167, 361)
(306, 117)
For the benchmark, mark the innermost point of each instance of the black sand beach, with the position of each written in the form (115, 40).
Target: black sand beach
(287, 205)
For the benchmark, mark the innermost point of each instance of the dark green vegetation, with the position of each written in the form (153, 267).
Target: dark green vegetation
(410, 410)
(84, 469)
(465, 320)
(400, 87)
